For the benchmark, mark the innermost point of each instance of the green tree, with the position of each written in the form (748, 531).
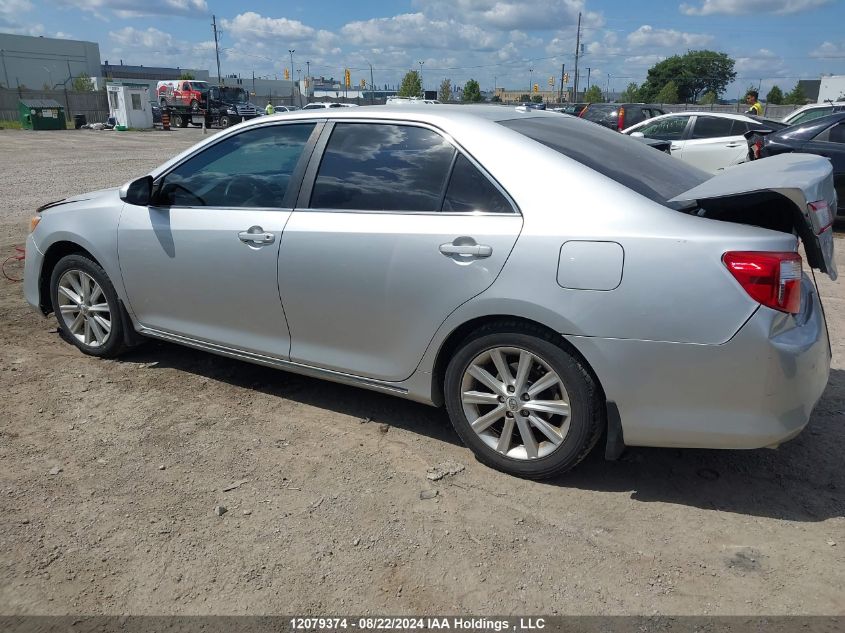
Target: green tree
(631, 93)
(708, 98)
(668, 93)
(472, 92)
(795, 96)
(445, 93)
(537, 98)
(187, 76)
(411, 85)
(775, 96)
(593, 95)
(83, 83)
(694, 73)
(524, 97)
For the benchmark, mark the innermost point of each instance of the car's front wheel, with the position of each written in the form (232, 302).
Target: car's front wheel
(86, 306)
(522, 403)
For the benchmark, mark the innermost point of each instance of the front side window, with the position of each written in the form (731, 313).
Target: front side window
(835, 134)
(671, 129)
(250, 169)
(382, 167)
(711, 127)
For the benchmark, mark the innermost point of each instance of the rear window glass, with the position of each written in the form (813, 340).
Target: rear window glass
(632, 163)
(599, 113)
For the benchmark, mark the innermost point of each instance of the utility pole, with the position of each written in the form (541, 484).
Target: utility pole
(577, 54)
(253, 84)
(307, 80)
(291, 51)
(530, 81)
(216, 48)
(588, 77)
(422, 86)
(560, 92)
(372, 86)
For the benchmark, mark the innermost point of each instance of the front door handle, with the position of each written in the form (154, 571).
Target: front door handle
(737, 144)
(256, 235)
(674, 148)
(468, 250)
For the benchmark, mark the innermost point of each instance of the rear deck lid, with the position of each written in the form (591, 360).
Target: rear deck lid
(804, 179)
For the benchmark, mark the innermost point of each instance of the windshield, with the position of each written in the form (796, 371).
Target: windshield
(234, 95)
(648, 171)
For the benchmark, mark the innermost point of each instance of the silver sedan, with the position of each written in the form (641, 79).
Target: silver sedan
(546, 279)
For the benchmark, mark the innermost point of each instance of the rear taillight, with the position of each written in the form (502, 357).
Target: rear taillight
(770, 278)
(620, 119)
(757, 148)
(820, 216)
(583, 110)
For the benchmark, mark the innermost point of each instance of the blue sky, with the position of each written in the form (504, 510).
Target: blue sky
(494, 41)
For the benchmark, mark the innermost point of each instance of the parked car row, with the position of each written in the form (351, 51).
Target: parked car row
(419, 251)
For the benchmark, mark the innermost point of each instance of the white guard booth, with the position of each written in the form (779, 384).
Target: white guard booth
(129, 104)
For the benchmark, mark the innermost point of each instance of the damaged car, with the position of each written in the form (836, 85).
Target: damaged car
(420, 252)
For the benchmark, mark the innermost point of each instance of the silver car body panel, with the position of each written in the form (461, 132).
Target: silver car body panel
(688, 357)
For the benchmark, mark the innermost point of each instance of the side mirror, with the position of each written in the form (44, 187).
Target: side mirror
(138, 192)
(637, 134)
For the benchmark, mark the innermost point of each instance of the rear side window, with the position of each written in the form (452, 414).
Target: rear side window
(382, 167)
(711, 127)
(470, 191)
(649, 172)
(809, 115)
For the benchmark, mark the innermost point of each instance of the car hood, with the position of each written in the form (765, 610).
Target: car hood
(97, 195)
(802, 178)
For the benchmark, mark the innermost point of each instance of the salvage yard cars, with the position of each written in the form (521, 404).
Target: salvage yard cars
(420, 251)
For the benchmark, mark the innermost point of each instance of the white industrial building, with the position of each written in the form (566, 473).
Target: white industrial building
(39, 62)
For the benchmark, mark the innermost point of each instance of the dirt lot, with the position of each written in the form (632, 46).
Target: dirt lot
(328, 515)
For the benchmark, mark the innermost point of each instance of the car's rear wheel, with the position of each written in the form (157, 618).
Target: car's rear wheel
(86, 306)
(522, 403)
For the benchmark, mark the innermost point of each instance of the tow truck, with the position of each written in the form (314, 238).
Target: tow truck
(215, 105)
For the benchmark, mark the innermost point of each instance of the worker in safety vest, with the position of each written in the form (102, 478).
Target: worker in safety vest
(269, 109)
(755, 107)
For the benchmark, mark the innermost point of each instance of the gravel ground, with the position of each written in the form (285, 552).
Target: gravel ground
(110, 472)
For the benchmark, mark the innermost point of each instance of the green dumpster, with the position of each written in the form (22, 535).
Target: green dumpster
(41, 114)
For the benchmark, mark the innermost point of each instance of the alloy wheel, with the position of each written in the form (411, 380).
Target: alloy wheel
(516, 403)
(84, 309)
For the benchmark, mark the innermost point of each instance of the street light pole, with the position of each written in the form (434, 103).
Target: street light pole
(307, 79)
(291, 51)
(530, 80)
(422, 86)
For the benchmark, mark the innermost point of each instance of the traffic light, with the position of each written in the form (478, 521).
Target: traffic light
(287, 75)
(347, 78)
(551, 81)
(363, 83)
(536, 87)
(566, 78)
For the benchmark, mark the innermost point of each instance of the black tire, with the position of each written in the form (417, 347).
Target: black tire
(180, 120)
(225, 121)
(163, 102)
(587, 418)
(114, 343)
(195, 105)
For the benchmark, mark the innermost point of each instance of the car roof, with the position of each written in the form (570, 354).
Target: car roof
(412, 112)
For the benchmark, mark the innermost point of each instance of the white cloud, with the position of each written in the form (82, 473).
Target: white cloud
(251, 25)
(740, 7)
(10, 13)
(415, 30)
(762, 60)
(829, 50)
(649, 37)
(152, 46)
(507, 15)
(133, 8)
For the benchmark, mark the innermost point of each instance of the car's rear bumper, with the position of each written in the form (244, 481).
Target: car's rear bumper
(756, 390)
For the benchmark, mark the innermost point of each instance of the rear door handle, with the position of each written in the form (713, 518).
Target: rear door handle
(256, 235)
(470, 250)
